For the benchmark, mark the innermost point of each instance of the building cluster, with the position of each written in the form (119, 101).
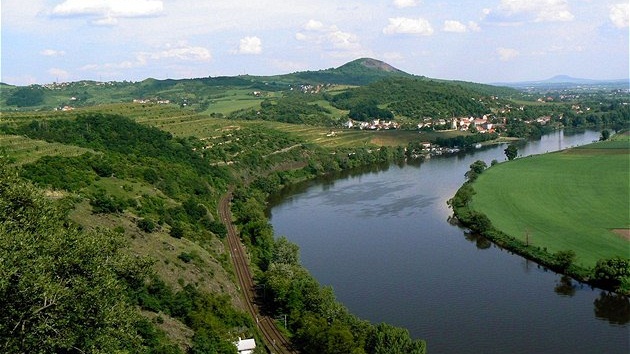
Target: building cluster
(151, 101)
(376, 124)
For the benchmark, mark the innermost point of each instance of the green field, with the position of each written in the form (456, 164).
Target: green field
(569, 200)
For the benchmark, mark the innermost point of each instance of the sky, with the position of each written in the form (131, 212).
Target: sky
(45, 41)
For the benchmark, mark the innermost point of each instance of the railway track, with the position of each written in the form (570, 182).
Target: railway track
(275, 341)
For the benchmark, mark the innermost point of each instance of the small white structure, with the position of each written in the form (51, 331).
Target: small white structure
(245, 346)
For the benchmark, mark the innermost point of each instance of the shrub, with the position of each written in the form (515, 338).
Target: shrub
(147, 225)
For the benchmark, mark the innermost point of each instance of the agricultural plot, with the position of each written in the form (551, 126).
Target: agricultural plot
(23, 150)
(576, 200)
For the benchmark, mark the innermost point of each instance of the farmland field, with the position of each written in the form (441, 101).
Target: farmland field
(570, 200)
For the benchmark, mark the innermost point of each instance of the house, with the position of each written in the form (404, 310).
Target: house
(245, 346)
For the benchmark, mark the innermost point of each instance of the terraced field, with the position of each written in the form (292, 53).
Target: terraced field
(23, 150)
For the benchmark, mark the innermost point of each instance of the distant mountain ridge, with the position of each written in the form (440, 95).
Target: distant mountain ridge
(564, 81)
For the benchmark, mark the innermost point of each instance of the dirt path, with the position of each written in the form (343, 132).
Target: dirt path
(274, 340)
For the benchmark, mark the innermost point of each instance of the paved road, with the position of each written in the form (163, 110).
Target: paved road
(275, 341)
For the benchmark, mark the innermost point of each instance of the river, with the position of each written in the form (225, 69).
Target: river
(382, 239)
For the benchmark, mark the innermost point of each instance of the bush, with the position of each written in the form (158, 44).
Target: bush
(147, 225)
(185, 257)
(177, 231)
(102, 203)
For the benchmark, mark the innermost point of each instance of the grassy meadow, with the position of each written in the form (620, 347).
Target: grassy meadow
(569, 200)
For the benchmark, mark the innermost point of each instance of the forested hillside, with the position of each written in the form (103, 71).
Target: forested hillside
(110, 237)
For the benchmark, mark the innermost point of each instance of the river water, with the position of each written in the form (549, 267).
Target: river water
(382, 239)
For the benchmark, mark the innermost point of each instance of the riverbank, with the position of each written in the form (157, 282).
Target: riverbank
(532, 219)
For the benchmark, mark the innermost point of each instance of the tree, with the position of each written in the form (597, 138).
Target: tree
(476, 168)
(388, 339)
(612, 272)
(26, 97)
(62, 289)
(511, 152)
(605, 135)
(564, 259)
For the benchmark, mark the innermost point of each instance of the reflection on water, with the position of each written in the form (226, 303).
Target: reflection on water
(613, 307)
(565, 286)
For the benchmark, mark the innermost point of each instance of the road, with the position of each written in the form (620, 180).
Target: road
(275, 341)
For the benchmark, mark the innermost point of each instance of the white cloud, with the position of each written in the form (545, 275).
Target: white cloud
(344, 40)
(454, 26)
(313, 25)
(105, 21)
(542, 10)
(405, 3)
(507, 54)
(179, 52)
(107, 12)
(473, 26)
(330, 38)
(117, 8)
(52, 53)
(405, 25)
(619, 15)
(249, 45)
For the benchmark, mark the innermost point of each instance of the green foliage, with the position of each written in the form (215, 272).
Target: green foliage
(207, 314)
(69, 173)
(147, 225)
(185, 257)
(564, 259)
(61, 289)
(511, 152)
(414, 98)
(612, 272)
(465, 141)
(291, 108)
(103, 203)
(476, 168)
(28, 96)
(357, 72)
(386, 339)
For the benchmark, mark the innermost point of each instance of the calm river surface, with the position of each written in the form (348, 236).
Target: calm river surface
(382, 240)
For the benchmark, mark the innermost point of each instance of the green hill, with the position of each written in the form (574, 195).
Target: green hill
(357, 72)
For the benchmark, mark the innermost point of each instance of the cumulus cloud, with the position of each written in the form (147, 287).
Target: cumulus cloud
(405, 3)
(473, 26)
(52, 53)
(619, 15)
(404, 25)
(507, 54)
(181, 52)
(454, 26)
(313, 25)
(108, 11)
(541, 10)
(329, 37)
(249, 45)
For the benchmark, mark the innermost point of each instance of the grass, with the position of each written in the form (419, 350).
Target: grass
(569, 200)
(24, 150)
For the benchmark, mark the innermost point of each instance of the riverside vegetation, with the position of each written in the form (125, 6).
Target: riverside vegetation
(110, 240)
(531, 218)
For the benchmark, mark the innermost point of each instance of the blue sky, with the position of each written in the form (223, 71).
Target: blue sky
(474, 40)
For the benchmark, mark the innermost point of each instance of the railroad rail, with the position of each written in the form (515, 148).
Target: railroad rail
(275, 341)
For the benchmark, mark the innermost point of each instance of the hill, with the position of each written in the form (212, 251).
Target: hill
(357, 72)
